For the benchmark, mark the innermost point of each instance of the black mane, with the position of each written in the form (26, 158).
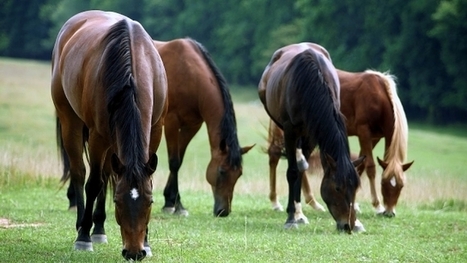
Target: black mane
(321, 119)
(124, 115)
(228, 125)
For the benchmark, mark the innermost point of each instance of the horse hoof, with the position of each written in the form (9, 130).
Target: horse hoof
(99, 238)
(276, 206)
(84, 246)
(168, 210)
(148, 251)
(379, 210)
(293, 225)
(389, 214)
(302, 220)
(181, 212)
(358, 227)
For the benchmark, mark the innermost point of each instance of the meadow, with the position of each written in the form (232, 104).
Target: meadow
(35, 225)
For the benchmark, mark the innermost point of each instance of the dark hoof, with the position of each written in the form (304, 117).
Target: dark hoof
(291, 225)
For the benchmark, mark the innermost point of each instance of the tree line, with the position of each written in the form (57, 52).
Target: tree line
(422, 42)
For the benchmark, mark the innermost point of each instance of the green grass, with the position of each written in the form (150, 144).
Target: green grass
(430, 226)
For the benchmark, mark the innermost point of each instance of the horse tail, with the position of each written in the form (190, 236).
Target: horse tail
(399, 141)
(120, 88)
(228, 125)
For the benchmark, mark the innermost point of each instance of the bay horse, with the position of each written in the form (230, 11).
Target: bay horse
(372, 111)
(109, 89)
(299, 90)
(198, 93)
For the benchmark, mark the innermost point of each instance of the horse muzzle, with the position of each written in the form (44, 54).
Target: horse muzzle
(134, 256)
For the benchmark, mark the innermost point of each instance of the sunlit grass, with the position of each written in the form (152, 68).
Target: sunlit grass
(430, 225)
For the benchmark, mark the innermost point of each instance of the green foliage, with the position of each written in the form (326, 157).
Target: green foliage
(421, 42)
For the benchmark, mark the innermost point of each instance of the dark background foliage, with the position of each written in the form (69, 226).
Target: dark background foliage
(422, 42)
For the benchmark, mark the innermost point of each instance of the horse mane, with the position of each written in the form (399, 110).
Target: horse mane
(397, 151)
(228, 125)
(321, 117)
(120, 87)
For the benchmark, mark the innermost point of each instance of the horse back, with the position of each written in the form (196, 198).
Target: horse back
(272, 86)
(78, 63)
(194, 93)
(365, 101)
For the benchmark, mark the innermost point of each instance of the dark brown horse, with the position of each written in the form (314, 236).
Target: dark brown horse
(372, 111)
(300, 92)
(110, 89)
(199, 93)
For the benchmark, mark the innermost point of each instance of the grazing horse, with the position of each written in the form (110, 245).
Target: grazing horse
(199, 93)
(300, 92)
(110, 90)
(372, 111)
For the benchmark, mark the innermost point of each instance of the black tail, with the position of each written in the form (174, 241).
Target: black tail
(121, 99)
(228, 124)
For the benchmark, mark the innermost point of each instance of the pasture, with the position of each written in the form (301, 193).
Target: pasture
(35, 226)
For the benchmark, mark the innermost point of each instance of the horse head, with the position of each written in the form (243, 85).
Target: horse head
(392, 182)
(222, 175)
(339, 195)
(133, 201)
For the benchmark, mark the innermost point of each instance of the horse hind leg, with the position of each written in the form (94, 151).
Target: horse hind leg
(274, 153)
(177, 141)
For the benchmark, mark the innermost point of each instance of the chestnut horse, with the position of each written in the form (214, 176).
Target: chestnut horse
(110, 90)
(372, 111)
(199, 93)
(300, 92)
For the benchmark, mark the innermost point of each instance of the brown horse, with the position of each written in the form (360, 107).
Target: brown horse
(300, 92)
(198, 93)
(110, 89)
(372, 111)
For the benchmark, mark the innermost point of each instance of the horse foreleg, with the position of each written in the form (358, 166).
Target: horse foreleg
(293, 179)
(94, 186)
(366, 149)
(98, 233)
(308, 194)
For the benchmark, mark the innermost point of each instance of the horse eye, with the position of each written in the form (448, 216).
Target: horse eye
(338, 189)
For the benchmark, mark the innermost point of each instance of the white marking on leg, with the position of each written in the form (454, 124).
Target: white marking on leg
(134, 194)
(301, 161)
(358, 226)
(299, 216)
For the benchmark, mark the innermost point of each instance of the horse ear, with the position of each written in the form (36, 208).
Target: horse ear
(117, 166)
(247, 148)
(359, 161)
(407, 166)
(330, 161)
(382, 163)
(152, 164)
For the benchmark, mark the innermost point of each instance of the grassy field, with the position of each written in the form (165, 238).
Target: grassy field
(431, 223)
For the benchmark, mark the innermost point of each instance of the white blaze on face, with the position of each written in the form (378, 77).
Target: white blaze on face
(393, 181)
(134, 194)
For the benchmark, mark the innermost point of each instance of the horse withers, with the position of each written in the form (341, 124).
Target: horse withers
(299, 89)
(199, 93)
(109, 89)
